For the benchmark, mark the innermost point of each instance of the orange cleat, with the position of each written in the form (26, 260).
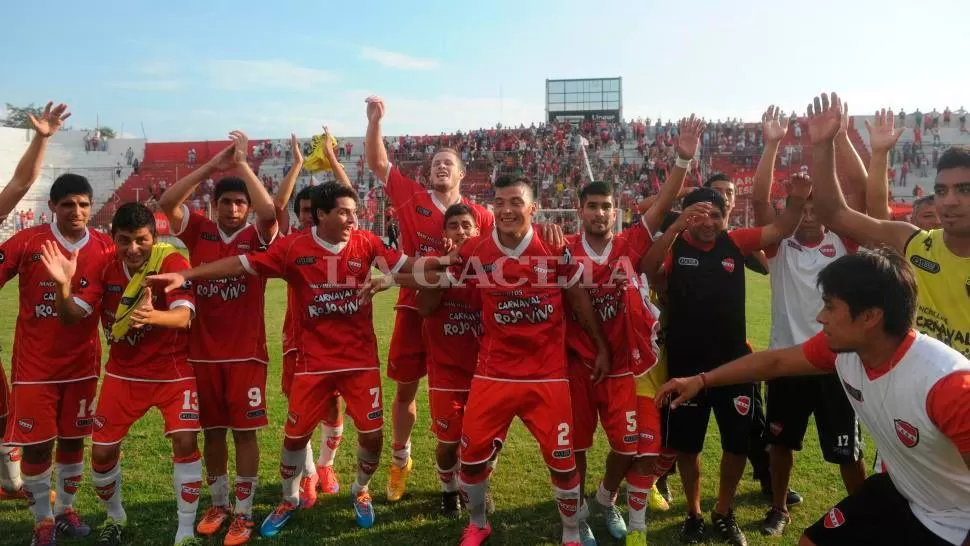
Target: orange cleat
(240, 530)
(212, 521)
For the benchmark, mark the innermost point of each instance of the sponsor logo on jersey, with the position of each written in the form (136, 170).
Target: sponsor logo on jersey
(834, 519)
(775, 428)
(255, 414)
(35, 257)
(907, 433)
(82, 422)
(690, 262)
(376, 414)
(728, 264)
(206, 236)
(114, 289)
(244, 246)
(926, 265)
(422, 211)
(630, 439)
(190, 491)
(827, 250)
(306, 260)
(47, 284)
(72, 484)
(26, 425)
(562, 453)
(853, 392)
(568, 507)
(793, 244)
(442, 423)
(244, 490)
(742, 404)
(189, 415)
(355, 265)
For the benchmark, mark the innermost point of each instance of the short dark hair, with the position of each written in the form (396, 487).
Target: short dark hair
(706, 195)
(325, 198)
(70, 184)
(133, 216)
(596, 187)
(717, 177)
(953, 158)
(459, 209)
(230, 183)
(925, 200)
(879, 279)
(512, 181)
(306, 194)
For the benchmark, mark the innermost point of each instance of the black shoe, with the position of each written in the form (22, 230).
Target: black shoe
(693, 530)
(450, 505)
(664, 488)
(775, 523)
(793, 496)
(727, 528)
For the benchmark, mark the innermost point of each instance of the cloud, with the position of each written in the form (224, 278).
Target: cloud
(147, 85)
(400, 61)
(156, 67)
(271, 74)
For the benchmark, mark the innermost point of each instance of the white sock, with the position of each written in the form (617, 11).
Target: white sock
(309, 468)
(107, 485)
(400, 456)
(636, 501)
(38, 490)
(474, 496)
(188, 486)
(448, 478)
(245, 492)
(291, 463)
(568, 502)
(10, 479)
(330, 438)
(366, 466)
(604, 496)
(219, 490)
(68, 482)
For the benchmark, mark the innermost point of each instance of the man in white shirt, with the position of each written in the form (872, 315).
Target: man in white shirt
(911, 391)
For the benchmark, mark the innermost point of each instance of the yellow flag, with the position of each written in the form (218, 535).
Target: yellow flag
(317, 160)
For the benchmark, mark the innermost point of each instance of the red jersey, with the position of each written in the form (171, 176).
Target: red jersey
(337, 332)
(613, 284)
(421, 218)
(150, 353)
(291, 320)
(523, 326)
(451, 336)
(217, 334)
(44, 350)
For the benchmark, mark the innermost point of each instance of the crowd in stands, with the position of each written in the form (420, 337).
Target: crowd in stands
(23, 219)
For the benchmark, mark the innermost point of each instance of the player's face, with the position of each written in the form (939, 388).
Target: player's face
(134, 247)
(446, 173)
(306, 214)
(925, 218)
(338, 224)
(952, 200)
(809, 230)
(460, 228)
(598, 215)
(707, 228)
(842, 332)
(71, 212)
(232, 210)
(513, 208)
(726, 189)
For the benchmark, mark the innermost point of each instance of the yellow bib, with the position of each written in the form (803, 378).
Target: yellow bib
(943, 283)
(134, 291)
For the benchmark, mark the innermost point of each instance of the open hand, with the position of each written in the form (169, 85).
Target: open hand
(240, 146)
(50, 120)
(373, 286)
(883, 134)
(297, 150)
(824, 118)
(60, 267)
(693, 214)
(801, 185)
(553, 235)
(684, 388)
(774, 126)
(223, 161)
(689, 133)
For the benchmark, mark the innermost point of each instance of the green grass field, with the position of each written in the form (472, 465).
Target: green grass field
(525, 512)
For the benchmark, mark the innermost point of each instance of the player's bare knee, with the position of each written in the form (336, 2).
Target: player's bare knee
(645, 466)
(184, 444)
(70, 445)
(446, 452)
(371, 441)
(244, 438)
(406, 393)
(296, 444)
(38, 453)
(474, 471)
(105, 457)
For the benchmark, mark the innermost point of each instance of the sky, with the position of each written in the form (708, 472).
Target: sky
(181, 70)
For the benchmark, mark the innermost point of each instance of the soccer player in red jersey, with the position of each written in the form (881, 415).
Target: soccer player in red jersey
(229, 357)
(147, 360)
(337, 348)
(319, 473)
(420, 215)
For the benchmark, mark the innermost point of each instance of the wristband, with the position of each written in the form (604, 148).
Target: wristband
(703, 380)
(682, 163)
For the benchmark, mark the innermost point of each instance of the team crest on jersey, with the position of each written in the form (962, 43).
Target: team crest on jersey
(907, 433)
(26, 425)
(3, 256)
(244, 246)
(354, 265)
(728, 264)
(648, 436)
(742, 404)
(442, 423)
(834, 519)
(827, 250)
(926, 265)
(293, 418)
(190, 491)
(98, 421)
(422, 211)
(83, 283)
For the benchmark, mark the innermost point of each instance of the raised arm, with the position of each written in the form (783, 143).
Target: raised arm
(824, 120)
(260, 201)
(784, 225)
(229, 266)
(883, 137)
(174, 197)
(774, 127)
(652, 262)
(28, 169)
(285, 191)
(61, 268)
(374, 141)
(338, 169)
(847, 161)
(688, 139)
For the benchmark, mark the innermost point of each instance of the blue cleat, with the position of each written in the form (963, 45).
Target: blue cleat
(364, 509)
(614, 521)
(586, 537)
(275, 522)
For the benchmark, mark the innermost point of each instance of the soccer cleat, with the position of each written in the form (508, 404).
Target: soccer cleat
(613, 521)
(663, 488)
(45, 534)
(727, 528)
(474, 535)
(278, 519)
(364, 509)
(70, 524)
(240, 530)
(450, 504)
(793, 498)
(397, 483)
(212, 521)
(656, 500)
(328, 483)
(308, 491)
(775, 523)
(693, 530)
(586, 537)
(636, 538)
(20, 494)
(109, 534)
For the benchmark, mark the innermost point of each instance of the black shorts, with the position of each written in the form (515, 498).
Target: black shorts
(733, 407)
(876, 514)
(791, 400)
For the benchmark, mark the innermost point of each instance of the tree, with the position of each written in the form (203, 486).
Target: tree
(17, 116)
(107, 132)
